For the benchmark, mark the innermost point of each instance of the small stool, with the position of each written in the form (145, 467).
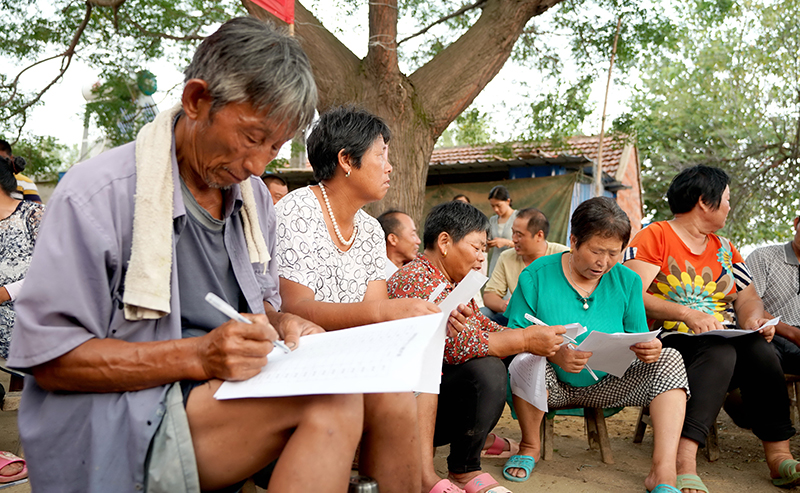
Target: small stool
(596, 433)
(793, 389)
(711, 449)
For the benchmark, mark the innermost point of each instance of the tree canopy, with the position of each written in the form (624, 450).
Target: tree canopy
(727, 95)
(448, 51)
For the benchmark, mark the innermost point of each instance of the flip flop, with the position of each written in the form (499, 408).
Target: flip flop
(446, 486)
(789, 476)
(495, 451)
(525, 462)
(664, 488)
(7, 458)
(691, 482)
(482, 481)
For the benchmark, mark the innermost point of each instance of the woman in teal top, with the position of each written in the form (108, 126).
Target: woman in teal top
(587, 286)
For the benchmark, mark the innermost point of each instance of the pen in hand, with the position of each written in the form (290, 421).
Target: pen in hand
(532, 319)
(231, 312)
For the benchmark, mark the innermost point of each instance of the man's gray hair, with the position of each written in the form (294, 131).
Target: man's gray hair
(250, 61)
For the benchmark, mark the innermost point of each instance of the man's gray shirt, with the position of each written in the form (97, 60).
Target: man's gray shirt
(776, 275)
(97, 442)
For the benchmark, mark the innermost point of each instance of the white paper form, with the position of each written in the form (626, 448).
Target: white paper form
(527, 379)
(728, 333)
(611, 352)
(432, 359)
(383, 357)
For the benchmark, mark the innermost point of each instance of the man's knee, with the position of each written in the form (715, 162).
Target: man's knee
(341, 410)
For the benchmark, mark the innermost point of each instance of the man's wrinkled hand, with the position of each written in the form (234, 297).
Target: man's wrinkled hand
(235, 350)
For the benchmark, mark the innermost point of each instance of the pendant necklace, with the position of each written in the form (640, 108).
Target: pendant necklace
(588, 294)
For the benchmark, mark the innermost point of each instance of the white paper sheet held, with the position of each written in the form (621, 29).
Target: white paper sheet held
(611, 352)
(527, 379)
(432, 360)
(728, 333)
(383, 357)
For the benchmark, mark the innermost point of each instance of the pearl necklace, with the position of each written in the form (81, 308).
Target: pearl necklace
(588, 294)
(333, 219)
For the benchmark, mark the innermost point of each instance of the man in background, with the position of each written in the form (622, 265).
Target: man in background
(529, 234)
(277, 187)
(402, 242)
(26, 188)
(776, 275)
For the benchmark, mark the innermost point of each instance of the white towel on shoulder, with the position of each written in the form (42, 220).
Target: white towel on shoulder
(147, 282)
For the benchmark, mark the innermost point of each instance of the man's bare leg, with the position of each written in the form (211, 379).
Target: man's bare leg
(390, 449)
(315, 436)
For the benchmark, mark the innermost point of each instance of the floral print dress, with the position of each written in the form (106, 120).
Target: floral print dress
(708, 282)
(18, 234)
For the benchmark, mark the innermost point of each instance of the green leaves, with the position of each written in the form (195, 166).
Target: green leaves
(727, 96)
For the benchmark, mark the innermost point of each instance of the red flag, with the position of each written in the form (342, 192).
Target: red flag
(282, 9)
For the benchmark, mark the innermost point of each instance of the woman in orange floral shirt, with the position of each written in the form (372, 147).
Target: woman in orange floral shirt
(695, 282)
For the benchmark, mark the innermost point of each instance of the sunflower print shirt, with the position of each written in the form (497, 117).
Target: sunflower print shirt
(708, 282)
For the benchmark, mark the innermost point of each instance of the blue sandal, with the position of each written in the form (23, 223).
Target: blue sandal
(664, 488)
(524, 462)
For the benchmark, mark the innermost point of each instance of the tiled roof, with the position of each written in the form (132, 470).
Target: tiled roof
(576, 146)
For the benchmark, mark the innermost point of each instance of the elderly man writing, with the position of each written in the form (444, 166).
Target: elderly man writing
(123, 353)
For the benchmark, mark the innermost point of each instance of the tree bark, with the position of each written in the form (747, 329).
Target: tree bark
(420, 106)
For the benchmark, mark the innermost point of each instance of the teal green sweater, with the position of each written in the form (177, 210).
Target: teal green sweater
(616, 305)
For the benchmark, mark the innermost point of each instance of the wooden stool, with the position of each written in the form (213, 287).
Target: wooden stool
(596, 433)
(793, 389)
(711, 449)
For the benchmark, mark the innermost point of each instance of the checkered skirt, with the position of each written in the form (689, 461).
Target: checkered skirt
(640, 384)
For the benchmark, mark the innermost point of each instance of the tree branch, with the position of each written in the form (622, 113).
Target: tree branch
(451, 80)
(337, 71)
(66, 58)
(189, 37)
(461, 11)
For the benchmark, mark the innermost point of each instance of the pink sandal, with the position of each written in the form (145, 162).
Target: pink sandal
(446, 486)
(7, 458)
(482, 481)
(495, 451)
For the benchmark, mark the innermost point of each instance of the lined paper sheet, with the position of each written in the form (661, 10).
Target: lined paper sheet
(383, 357)
(527, 379)
(432, 360)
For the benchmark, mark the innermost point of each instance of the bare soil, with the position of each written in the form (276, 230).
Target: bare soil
(577, 469)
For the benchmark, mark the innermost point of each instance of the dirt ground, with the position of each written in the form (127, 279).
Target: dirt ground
(575, 468)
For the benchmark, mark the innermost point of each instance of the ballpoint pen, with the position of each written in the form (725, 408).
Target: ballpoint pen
(532, 319)
(231, 312)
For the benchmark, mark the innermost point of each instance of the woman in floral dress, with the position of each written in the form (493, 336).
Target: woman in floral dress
(694, 282)
(19, 226)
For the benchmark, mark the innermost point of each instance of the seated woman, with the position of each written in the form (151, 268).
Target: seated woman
(331, 258)
(696, 281)
(587, 286)
(473, 389)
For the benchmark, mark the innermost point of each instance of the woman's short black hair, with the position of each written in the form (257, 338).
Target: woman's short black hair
(454, 218)
(347, 128)
(499, 192)
(694, 184)
(8, 182)
(600, 216)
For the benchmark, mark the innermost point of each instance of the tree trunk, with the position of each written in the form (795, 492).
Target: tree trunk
(419, 107)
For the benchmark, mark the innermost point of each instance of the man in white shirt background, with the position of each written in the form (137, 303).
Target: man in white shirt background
(529, 234)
